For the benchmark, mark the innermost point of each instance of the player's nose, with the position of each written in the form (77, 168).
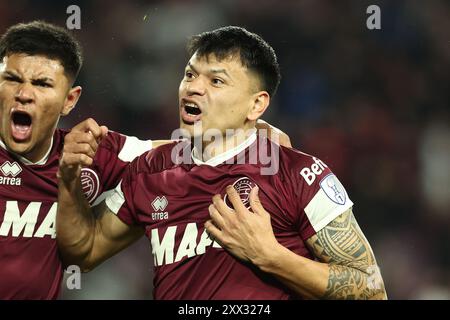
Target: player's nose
(24, 94)
(196, 87)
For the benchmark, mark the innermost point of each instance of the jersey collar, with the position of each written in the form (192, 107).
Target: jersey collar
(221, 158)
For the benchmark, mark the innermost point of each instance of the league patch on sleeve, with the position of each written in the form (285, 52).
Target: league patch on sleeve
(333, 189)
(330, 201)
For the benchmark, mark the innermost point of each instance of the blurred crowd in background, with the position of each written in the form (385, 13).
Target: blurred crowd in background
(372, 104)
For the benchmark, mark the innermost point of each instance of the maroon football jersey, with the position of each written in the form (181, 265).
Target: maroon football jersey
(170, 200)
(30, 267)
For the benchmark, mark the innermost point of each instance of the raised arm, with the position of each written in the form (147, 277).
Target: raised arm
(86, 238)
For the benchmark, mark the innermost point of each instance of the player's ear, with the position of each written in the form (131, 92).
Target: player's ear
(71, 100)
(260, 103)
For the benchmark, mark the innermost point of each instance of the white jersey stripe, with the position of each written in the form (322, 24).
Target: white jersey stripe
(321, 210)
(133, 148)
(115, 200)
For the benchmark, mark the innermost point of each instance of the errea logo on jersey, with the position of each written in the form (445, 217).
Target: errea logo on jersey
(309, 174)
(10, 171)
(160, 204)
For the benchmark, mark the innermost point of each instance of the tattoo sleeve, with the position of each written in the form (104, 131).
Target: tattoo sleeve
(353, 271)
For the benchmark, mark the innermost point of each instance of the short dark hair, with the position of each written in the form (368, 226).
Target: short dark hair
(42, 38)
(255, 53)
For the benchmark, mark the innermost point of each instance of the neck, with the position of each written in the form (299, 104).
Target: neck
(207, 149)
(41, 156)
(34, 157)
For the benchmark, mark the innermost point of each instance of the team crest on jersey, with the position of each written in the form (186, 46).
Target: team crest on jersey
(243, 186)
(333, 189)
(90, 184)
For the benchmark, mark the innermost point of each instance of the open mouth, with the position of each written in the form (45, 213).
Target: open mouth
(192, 109)
(21, 125)
(190, 113)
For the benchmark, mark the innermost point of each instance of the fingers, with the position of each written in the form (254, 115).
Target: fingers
(220, 208)
(80, 146)
(70, 166)
(90, 125)
(220, 205)
(216, 217)
(235, 199)
(255, 202)
(276, 135)
(81, 149)
(104, 131)
(80, 142)
(214, 232)
(285, 141)
(84, 138)
(87, 125)
(73, 160)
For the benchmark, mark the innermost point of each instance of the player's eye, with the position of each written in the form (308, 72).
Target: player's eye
(188, 74)
(42, 84)
(217, 81)
(11, 78)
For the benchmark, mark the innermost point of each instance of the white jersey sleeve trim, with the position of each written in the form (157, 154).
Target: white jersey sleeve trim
(328, 203)
(133, 147)
(102, 197)
(116, 199)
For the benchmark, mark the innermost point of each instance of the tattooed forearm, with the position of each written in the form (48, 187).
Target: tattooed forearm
(350, 283)
(342, 283)
(353, 273)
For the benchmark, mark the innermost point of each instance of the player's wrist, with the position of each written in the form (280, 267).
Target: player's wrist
(69, 182)
(269, 259)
